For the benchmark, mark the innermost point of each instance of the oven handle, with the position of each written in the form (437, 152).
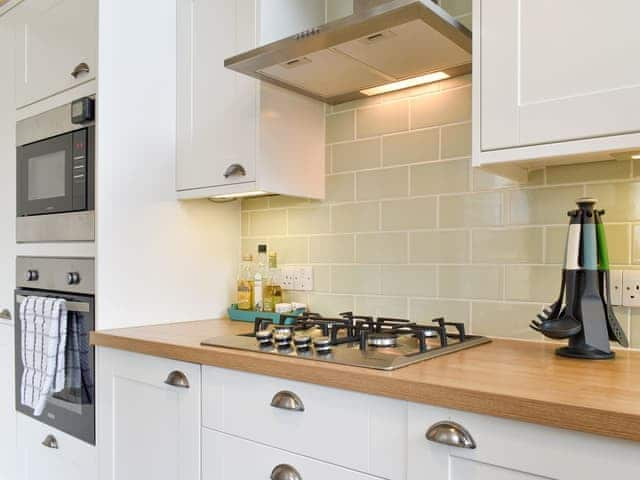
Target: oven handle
(81, 307)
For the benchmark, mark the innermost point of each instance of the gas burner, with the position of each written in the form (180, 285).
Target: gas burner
(382, 340)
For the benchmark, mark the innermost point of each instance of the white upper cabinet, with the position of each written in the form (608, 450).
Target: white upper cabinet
(234, 134)
(56, 49)
(554, 81)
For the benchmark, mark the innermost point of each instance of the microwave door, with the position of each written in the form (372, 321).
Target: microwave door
(45, 176)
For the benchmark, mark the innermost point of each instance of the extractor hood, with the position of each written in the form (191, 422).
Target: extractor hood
(383, 42)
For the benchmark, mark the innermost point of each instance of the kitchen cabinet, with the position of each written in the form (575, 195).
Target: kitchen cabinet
(343, 428)
(46, 453)
(7, 410)
(225, 457)
(56, 49)
(510, 450)
(550, 89)
(235, 135)
(148, 417)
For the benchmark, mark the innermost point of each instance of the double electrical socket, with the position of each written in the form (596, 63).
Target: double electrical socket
(297, 278)
(625, 288)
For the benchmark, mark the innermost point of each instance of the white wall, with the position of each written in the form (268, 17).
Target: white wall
(158, 260)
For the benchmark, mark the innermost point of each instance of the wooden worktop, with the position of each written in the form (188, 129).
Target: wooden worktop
(506, 378)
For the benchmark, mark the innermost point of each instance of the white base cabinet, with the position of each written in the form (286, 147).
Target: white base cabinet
(235, 135)
(553, 87)
(147, 428)
(7, 402)
(66, 459)
(231, 458)
(511, 450)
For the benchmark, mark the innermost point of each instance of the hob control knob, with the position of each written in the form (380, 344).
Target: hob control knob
(73, 278)
(31, 275)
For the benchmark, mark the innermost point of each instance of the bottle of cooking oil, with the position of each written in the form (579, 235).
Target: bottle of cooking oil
(272, 290)
(260, 279)
(244, 297)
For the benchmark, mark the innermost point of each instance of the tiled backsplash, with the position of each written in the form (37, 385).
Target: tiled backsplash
(409, 229)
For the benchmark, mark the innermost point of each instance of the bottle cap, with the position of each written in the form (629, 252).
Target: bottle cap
(262, 248)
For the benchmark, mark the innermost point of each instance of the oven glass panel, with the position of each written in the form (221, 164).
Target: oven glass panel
(47, 176)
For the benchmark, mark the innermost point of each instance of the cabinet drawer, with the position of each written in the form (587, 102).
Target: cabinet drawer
(512, 450)
(355, 430)
(227, 457)
(72, 459)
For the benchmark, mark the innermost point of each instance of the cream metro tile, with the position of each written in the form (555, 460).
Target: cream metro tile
(620, 200)
(359, 155)
(340, 127)
(456, 141)
(268, 222)
(543, 206)
(451, 176)
(340, 188)
(447, 246)
(472, 210)
(383, 183)
(412, 147)
(384, 118)
(533, 283)
(587, 172)
(449, 106)
(409, 280)
(331, 249)
(309, 220)
(409, 214)
(474, 282)
(382, 306)
(504, 319)
(515, 245)
(425, 310)
(355, 217)
(355, 279)
(381, 248)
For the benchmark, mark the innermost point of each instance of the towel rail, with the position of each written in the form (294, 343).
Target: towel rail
(80, 307)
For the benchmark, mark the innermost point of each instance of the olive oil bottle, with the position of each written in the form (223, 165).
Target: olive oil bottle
(244, 297)
(272, 285)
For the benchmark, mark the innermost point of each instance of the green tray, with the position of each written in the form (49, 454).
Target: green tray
(251, 315)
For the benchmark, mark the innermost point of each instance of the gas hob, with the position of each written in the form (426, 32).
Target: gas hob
(361, 341)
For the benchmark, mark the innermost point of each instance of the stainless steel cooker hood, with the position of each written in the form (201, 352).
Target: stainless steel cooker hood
(381, 43)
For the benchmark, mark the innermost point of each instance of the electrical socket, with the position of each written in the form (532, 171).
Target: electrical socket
(631, 288)
(616, 287)
(297, 278)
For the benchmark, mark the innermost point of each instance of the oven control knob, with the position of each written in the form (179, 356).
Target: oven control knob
(31, 276)
(73, 278)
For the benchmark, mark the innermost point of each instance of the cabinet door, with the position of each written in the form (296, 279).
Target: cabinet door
(147, 428)
(216, 115)
(225, 457)
(7, 410)
(56, 49)
(511, 450)
(557, 71)
(71, 459)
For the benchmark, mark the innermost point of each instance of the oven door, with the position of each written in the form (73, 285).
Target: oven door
(73, 409)
(51, 175)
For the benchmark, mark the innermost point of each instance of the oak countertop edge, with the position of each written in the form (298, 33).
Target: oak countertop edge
(559, 414)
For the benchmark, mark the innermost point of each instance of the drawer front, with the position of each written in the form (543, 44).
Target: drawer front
(512, 450)
(357, 431)
(71, 460)
(226, 457)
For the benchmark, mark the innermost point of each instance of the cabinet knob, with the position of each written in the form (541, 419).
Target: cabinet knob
(73, 278)
(5, 314)
(177, 379)
(285, 472)
(235, 169)
(450, 433)
(286, 400)
(80, 69)
(50, 442)
(31, 275)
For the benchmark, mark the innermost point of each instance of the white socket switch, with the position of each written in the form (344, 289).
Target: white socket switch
(630, 288)
(297, 278)
(616, 287)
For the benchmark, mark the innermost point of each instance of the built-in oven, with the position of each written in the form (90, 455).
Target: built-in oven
(55, 173)
(71, 410)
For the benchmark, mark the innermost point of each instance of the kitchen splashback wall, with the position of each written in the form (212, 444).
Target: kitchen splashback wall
(410, 229)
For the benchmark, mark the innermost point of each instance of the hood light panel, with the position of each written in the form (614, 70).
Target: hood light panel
(239, 195)
(402, 84)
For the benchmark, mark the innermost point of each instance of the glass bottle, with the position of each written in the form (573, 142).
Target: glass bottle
(274, 287)
(244, 296)
(260, 278)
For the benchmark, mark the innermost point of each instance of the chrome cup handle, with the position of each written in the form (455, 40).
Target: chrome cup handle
(285, 472)
(286, 400)
(450, 433)
(177, 379)
(80, 69)
(50, 442)
(235, 169)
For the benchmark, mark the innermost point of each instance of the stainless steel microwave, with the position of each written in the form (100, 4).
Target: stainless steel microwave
(55, 174)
